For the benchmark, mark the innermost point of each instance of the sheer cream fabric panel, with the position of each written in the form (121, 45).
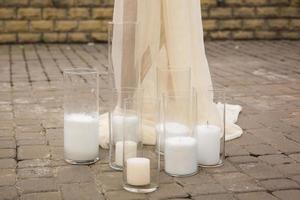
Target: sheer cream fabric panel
(169, 33)
(125, 44)
(185, 48)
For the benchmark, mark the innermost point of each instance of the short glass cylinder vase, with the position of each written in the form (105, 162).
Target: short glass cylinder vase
(211, 127)
(141, 161)
(123, 53)
(179, 145)
(151, 126)
(118, 119)
(81, 116)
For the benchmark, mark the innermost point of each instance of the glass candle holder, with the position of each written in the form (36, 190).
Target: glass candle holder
(210, 129)
(151, 121)
(180, 147)
(171, 80)
(105, 98)
(141, 162)
(106, 86)
(81, 116)
(122, 53)
(117, 120)
(105, 105)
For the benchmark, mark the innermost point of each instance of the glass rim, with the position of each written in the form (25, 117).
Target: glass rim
(105, 72)
(179, 93)
(80, 71)
(121, 89)
(216, 89)
(150, 99)
(122, 22)
(221, 92)
(218, 93)
(175, 68)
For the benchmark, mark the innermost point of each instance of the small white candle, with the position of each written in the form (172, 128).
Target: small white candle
(138, 171)
(173, 129)
(131, 127)
(131, 151)
(208, 139)
(181, 155)
(81, 137)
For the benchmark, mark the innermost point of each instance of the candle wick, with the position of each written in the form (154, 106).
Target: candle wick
(207, 123)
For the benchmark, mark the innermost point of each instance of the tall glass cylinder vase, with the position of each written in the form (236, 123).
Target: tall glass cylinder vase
(106, 86)
(81, 116)
(141, 160)
(211, 127)
(180, 147)
(105, 105)
(123, 53)
(117, 120)
(170, 80)
(151, 121)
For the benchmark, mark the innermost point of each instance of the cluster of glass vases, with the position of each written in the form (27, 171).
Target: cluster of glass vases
(170, 130)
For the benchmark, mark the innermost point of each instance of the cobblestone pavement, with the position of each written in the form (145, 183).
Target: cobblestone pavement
(263, 77)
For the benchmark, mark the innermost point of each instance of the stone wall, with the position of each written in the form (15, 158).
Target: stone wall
(251, 19)
(54, 20)
(23, 21)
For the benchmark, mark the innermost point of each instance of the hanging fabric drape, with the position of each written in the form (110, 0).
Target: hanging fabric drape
(169, 33)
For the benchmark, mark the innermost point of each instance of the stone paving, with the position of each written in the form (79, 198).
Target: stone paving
(262, 76)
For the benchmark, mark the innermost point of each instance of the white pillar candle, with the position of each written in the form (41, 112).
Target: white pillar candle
(138, 171)
(131, 151)
(131, 127)
(208, 139)
(81, 137)
(173, 129)
(181, 155)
